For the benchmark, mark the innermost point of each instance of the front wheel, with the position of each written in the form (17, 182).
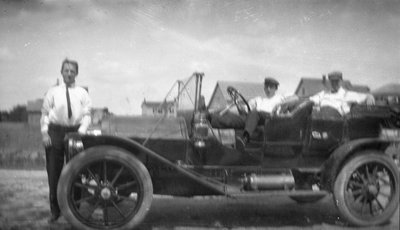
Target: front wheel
(366, 190)
(104, 188)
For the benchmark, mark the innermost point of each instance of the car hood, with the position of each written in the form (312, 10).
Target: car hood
(145, 126)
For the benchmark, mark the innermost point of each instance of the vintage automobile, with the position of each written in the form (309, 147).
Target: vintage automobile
(303, 152)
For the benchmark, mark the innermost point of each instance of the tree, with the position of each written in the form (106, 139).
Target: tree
(4, 116)
(18, 113)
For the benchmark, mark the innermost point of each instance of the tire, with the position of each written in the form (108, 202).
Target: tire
(366, 190)
(105, 187)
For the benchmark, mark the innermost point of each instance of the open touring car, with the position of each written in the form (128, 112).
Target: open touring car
(302, 152)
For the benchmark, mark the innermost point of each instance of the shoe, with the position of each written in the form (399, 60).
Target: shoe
(53, 218)
(240, 144)
(246, 137)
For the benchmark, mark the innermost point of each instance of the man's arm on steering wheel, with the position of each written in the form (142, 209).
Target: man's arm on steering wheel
(227, 108)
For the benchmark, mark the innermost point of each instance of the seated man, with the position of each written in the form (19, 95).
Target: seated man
(261, 108)
(339, 98)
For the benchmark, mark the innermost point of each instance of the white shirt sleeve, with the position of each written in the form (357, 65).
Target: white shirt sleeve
(47, 105)
(354, 97)
(87, 107)
(317, 97)
(253, 103)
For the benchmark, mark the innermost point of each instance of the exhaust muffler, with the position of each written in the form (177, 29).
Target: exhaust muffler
(268, 181)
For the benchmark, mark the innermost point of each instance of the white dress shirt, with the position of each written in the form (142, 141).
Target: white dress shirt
(341, 100)
(264, 104)
(55, 109)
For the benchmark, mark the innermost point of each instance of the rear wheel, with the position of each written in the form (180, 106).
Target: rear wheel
(366, 190)
(105, 188)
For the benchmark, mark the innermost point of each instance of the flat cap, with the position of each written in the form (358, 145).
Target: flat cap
(335, 75)
(270, 81)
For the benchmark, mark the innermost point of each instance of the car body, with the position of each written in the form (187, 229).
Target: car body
(304, 153)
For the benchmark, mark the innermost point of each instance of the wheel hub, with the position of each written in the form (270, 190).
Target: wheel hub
(105, 193)
(373, 190)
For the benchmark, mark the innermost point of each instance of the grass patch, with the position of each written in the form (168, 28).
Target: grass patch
(20, 159)
(5, 194)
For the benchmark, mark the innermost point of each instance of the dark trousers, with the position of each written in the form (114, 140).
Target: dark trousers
(234, 121)
(55, 155)
(254, 119)
(227, 121)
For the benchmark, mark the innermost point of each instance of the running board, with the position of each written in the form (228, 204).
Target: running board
(297, 193)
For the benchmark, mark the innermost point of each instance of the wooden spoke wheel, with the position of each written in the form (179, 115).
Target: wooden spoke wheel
(105, 188)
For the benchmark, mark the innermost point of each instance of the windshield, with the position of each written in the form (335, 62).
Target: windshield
(183, 92)
(186, 94)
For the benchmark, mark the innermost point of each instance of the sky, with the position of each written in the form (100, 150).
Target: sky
(131, 50)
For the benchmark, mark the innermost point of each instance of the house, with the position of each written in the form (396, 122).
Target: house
(387, 94)
(310, 86)
(34, 110)
(157, 108)
(220, 97)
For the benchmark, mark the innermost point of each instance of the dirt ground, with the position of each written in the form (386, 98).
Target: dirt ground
(24, 205)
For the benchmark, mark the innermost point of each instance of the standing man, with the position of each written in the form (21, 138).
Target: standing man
(339, 98)
(66, 108)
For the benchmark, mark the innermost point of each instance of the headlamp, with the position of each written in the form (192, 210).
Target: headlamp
(74, 147)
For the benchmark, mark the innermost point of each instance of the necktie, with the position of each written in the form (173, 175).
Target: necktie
(69, 104)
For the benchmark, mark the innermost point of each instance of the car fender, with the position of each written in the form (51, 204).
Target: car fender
(143, 153)
(89, 141)
(340, 155)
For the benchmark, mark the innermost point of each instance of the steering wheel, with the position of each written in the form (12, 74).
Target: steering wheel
(238, 100)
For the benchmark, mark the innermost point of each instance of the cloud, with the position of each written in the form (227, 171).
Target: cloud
(5, 54)
(138, 49)
(98, 15)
